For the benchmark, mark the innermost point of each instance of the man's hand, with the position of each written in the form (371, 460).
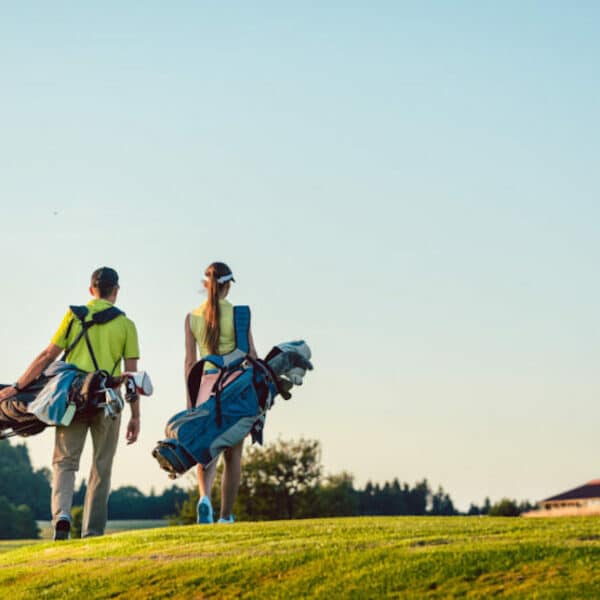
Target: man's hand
(133, 430)
(7, 392)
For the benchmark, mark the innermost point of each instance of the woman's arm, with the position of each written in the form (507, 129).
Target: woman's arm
(191, 356)
(252, 351)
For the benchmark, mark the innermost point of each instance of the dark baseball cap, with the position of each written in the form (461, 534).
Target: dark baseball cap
(105, 277)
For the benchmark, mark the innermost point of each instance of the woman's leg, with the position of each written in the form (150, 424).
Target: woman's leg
(206, 478)
(231, 478)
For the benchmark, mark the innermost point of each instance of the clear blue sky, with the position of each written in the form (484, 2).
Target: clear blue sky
(411, 187)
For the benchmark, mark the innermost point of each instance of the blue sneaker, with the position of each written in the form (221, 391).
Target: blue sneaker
(227, 520)
(204, 511)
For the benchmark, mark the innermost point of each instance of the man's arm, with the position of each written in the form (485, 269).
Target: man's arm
(34, 370)
(133, 427)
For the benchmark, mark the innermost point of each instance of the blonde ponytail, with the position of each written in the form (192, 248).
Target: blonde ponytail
(212, 313)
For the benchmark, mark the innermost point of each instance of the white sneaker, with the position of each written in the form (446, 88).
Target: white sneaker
(228, 520)
(204, 511)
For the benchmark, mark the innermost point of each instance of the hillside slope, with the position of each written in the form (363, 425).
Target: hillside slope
(355, 557)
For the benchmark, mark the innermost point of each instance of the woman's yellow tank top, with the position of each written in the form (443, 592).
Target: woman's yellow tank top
(226, 327)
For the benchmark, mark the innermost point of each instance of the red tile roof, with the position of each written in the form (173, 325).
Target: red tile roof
(590, 490)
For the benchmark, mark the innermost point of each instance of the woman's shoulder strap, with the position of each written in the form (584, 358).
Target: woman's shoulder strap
(241, 324)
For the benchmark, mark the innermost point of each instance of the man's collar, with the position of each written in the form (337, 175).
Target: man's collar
(100, 301)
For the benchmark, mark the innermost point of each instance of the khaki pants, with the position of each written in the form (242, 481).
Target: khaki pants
(68, 445)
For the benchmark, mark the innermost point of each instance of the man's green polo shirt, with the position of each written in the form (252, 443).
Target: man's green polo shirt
(112, 341)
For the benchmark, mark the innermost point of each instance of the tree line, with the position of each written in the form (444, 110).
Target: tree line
(503, 508)
(127, 502)
(281, 480)
(285, 480)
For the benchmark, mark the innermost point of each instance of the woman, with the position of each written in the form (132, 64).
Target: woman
(210, 327)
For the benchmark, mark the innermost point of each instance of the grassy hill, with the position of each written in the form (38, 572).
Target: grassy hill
(403, 557)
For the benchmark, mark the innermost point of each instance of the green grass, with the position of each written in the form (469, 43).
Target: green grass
(403, 557)
(46, 530)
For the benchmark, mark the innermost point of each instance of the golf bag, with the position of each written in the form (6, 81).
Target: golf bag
(243, 392)
(86, 393)
(14, 417)
(63, 390)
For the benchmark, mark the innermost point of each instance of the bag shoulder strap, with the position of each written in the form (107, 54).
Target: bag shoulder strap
(193, 381)
(107, 315)
(79, 313)
(99, 318)
(241, 324)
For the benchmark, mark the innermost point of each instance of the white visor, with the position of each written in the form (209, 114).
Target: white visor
(224, 278)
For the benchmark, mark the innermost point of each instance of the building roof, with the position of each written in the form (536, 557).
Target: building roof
(589, 490)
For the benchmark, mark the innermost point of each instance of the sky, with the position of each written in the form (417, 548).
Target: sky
(411, 187)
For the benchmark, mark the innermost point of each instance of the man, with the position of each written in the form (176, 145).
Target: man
(106, 347)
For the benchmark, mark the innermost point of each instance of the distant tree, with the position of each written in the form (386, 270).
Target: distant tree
(365, 499)
(20, 484)
(526, 506)
(128, 502)
(441, 504)
(79, 494)
(504, 508)
(279, 480)
(185, 513)
(386, 500)
(399, 504)
(76, 521)
(376, 501)
(402, 499)
(25, 523)
(473, 510)
(7, 528)
(336, 497)
(487, 505)
(17, 522)
(418, 498)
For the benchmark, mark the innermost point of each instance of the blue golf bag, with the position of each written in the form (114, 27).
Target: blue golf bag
(243, 392)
